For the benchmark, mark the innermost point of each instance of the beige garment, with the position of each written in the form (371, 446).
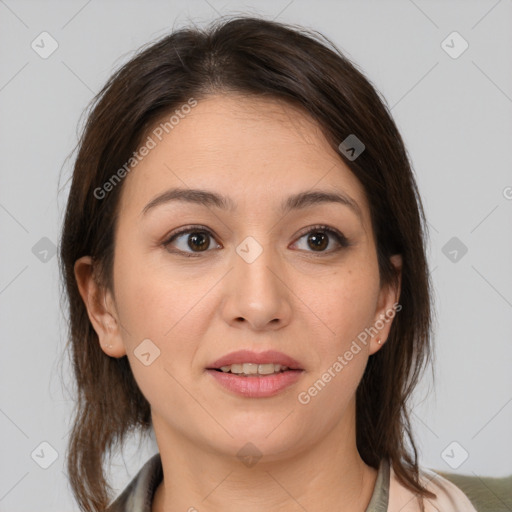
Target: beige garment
(449, 497)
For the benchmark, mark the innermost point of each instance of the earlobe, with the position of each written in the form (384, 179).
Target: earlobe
(95, 301)
(388, 306)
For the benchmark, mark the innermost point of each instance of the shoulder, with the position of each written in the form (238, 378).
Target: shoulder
(492, 494)
(449, 497)
(138, 495)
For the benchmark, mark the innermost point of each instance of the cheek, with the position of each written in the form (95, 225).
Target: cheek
(166, 311)
(165, 307)
(343, 304)
(346, 307)
(152, 302)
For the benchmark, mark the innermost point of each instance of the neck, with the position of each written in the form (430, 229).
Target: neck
(329, 475)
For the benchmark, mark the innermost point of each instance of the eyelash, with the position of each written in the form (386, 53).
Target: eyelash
(340, 238)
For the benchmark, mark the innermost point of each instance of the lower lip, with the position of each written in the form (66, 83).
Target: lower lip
(254, 386)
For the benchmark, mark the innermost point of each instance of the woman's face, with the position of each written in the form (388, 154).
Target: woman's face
(250, 275)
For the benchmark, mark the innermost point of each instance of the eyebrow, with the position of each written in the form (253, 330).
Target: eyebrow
(298, 201)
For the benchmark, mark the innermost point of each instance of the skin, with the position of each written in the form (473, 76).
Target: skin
(304, 302)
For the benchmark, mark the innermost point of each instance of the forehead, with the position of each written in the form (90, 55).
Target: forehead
(243, 147)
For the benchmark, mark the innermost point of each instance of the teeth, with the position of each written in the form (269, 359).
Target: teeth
(254, 369)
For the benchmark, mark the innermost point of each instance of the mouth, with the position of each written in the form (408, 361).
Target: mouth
(249, 362)
(255, 385)
(255, 375)
(253, 369)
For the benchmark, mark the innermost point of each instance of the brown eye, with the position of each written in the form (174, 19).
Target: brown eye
(319, 238)
(190, 241)
(198, 241)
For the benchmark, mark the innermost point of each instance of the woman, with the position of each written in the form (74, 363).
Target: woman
(243, 254)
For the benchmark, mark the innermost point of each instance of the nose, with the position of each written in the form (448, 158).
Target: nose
(257, 294)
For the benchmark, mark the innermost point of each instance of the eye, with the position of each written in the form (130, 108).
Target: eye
(192, 241)
(319, 238)
(197, 240)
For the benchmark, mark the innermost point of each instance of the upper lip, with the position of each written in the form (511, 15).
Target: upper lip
(249, 356)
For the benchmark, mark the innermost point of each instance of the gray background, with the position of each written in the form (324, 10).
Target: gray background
(455, 117)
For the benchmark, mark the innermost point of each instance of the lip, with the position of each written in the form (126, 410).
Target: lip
(256, 387)
(249, 356)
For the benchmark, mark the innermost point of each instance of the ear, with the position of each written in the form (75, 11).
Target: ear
(387, 307)
(95, 298)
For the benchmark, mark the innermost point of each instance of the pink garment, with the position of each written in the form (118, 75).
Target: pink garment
(449, 497)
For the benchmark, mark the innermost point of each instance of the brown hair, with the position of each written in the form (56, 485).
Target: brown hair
(265, 58)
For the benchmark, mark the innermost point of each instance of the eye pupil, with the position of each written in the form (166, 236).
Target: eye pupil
(204, 241)
(319, 240)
